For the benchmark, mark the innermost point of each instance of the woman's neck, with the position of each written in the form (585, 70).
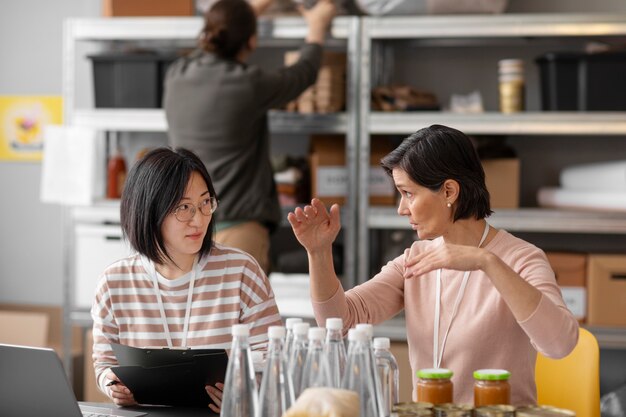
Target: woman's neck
(467, 232)
(176, 268)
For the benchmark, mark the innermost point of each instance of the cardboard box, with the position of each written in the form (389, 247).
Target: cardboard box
(329, 175)
(114, 8)
(27, 328)
(502, 178)
(606, 286)
(570, 268)
(328, 94)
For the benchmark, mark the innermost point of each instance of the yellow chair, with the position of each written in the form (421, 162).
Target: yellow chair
(574, 381)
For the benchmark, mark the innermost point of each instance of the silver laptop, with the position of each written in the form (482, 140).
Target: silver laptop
(33, 383)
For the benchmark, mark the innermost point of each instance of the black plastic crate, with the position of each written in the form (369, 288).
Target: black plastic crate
(129, 80)
(583, 82)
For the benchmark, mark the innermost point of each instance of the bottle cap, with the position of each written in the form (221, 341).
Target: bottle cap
(276, 332)
(381, 343)
(357, 335)
(511, 63)
(367, 328)
(492, 374)
(301, 329)
(240, 330)
(334, 323)
(291, 321)
(435, 373)
(317, 333)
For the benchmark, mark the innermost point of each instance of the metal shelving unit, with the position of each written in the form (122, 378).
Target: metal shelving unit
(490, 30)
(287, 31)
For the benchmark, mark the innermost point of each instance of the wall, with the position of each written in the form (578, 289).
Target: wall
(31, 255)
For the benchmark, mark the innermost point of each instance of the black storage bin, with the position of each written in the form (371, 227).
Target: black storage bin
(583, 82)
(129, 80)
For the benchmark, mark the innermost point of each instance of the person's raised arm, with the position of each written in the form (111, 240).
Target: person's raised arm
(318, 19)
(316, 230)
(259, 6)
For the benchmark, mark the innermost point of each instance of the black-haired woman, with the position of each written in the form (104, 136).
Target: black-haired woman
(180, 289)
(474, 296)
(216, 105)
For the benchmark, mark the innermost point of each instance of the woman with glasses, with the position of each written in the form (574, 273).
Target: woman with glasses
(180, 289)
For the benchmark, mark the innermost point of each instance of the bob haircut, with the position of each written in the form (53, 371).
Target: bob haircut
(154, 187)
(228, 26)
(437, 153)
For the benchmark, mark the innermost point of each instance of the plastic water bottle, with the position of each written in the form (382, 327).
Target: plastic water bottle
(368, 329)
(276, 394)
(359, 376)
(289, 323)
(335, 350)
(298, 355)
(240, 398)
(388, 374)
(316, 372)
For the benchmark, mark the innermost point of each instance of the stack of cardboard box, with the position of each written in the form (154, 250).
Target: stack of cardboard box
(328, 94)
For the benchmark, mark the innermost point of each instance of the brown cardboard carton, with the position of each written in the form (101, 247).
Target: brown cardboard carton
(329, 175)
(570, 268)
(113, 8)
(502, 179)
(606, 285)
(27, 328)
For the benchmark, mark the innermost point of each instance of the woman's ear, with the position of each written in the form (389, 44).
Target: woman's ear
(451, 190)
(253, 42)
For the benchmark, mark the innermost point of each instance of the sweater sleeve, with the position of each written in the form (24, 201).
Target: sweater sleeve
(552, 328)
(275, 89)
(374, 301)
(259, 309)
(105, 331)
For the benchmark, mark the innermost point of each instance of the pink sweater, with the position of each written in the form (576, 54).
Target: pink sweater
(484, 333)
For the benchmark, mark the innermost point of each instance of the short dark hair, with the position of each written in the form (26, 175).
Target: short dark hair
(153, 188)
(437, 153)
(228, 26)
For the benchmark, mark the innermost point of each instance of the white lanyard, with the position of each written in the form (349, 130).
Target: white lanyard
(437, 358)
(166, 329)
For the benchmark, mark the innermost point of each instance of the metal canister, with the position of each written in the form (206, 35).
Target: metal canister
(511, 85)
(543, 411)
(453, 410)
(495, 411)
(424, 412)
(413, 409)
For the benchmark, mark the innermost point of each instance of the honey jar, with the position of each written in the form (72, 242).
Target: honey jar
(491, 387)
(434, 385)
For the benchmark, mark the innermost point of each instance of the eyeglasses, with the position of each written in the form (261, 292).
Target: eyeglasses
(187, 211)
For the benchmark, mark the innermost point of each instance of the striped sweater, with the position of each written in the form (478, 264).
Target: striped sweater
(230, 288)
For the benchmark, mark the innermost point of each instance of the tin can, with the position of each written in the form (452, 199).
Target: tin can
(543, 411)
(453, 410)
(495, 411)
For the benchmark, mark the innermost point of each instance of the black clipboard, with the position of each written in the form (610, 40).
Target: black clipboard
(163, 376)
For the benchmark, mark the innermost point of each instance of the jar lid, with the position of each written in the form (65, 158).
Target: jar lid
(434, 373)
(492, 374)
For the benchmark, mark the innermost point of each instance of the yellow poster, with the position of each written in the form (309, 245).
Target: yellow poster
(22, 119)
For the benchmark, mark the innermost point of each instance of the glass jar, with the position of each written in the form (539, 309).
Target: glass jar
(491, 387)
(434, 385)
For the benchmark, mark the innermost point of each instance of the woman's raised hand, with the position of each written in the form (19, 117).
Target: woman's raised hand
(315, 227)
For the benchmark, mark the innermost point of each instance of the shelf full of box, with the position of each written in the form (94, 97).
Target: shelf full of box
(535, 220)
(459, 29)
(288, 31)
(153, 120)
(345, 29)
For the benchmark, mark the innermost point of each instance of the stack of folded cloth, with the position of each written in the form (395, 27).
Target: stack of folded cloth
(600, 186)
